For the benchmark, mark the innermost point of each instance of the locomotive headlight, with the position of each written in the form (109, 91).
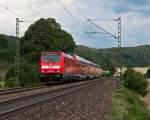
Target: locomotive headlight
(56, 67)
(43, 67)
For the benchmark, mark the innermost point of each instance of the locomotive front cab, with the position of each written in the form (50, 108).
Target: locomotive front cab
(51, 66)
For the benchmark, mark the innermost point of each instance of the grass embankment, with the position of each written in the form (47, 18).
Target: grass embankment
(127, 105)
(2, 84)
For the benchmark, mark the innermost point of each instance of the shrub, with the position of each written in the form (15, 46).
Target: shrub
(128, 106)
(12, 82)
(28, 74)
(135, 81)
(2, 84)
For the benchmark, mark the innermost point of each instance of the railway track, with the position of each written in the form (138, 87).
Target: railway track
(12, 105)
(18, 90)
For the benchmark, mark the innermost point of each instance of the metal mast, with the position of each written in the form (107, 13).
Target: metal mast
(118, 37)
(17, 51)
(119, 70)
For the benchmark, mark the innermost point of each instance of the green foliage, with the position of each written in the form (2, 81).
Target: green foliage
(45, 35)
(12, 82)
(7, 50)
(7, 55)
(98, 57)
(108, 65)
(106, 74)
(148, 73)
(135, 81)
(128, 106)
(28, 75)
(132, 57)
(3, 42)
(2, 84)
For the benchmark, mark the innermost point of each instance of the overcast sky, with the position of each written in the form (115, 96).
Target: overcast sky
(135, 16)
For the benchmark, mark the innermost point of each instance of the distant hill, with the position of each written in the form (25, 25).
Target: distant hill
(11, 40)
(131, 56)
(7, 49)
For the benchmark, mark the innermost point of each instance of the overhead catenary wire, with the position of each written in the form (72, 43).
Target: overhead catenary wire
(100, 19)
(90, 21)
(7, 4)
(65, 8)
(79, 10)
(105, 31)
(84, 16)
(13, 12)
(33, 10)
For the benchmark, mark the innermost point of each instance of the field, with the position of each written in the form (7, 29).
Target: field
(142, 70)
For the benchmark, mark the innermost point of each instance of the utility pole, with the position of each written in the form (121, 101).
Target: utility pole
(17, 51)
(118, 37)
(119, 66)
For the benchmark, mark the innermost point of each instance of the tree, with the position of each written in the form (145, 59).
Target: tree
(46, 35)
(135, 81)
(108, 65)
(12, 82)
(3, 42)
(28, 75)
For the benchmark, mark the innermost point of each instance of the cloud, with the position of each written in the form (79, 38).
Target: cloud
(139, 6)
(135, 16)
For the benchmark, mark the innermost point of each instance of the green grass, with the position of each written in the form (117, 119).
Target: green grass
(2, 84)
(128, 106)
(2, 74)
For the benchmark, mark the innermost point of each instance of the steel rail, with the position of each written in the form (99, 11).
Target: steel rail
(18, 90)
(16, 104)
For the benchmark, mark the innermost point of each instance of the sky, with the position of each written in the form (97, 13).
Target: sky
(73, 15)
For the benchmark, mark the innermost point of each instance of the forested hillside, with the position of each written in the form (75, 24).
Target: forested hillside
(7, 50)
(131, 56)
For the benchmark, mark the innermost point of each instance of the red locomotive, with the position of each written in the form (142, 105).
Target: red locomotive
(59, 66)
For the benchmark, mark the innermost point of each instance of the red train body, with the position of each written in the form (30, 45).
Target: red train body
(59, 66)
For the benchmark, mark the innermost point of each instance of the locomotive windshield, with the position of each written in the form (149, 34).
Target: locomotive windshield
(47, 57)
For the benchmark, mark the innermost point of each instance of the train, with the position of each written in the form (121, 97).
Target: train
(55, 67)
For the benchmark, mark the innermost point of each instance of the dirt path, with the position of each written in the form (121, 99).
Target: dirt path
(147, 97)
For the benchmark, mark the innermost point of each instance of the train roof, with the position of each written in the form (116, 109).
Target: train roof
(75, 57)
(83, 60)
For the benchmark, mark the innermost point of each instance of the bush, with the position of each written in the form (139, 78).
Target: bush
(12, 82)
(1, 86)
(28, 74)
(128, 106)
(135, 81)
